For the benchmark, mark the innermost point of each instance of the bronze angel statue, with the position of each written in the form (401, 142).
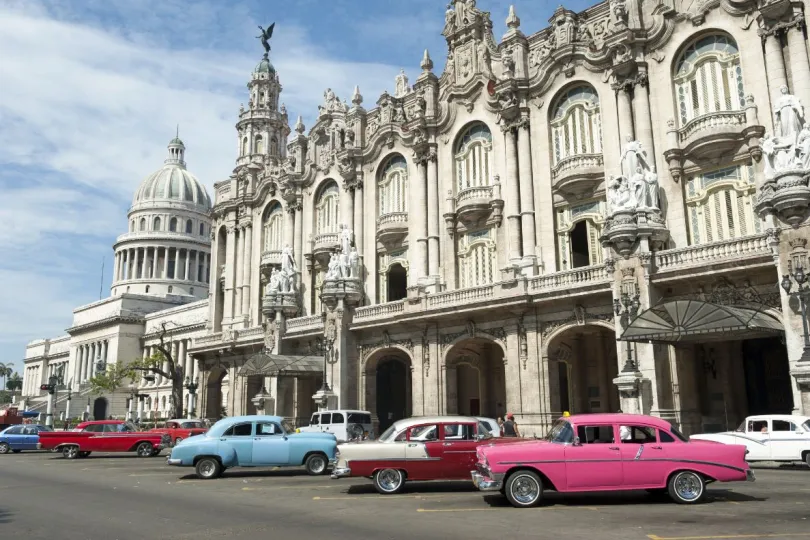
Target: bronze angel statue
(265, 37)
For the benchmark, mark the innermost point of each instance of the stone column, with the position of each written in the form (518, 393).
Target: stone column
(799, 66)
(641, 109)
(155, 258)
(347, 206)
(289, 228)
(125, 270)
(418, 212)
(299, 236)
(625, 113)
(528, 228)
(247, 259)
(358, 221)
(512, 194)
(774, 64)
(137, 273)
(238, 270)
(433, 224)
(166, 263)
(188, 265)
(104, 345)
(230, 251)
(77, 371)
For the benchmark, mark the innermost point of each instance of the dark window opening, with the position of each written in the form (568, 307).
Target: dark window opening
(397, 283)
(580, 255)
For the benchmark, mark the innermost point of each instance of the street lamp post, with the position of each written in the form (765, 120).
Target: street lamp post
(67, 405)
(191, 386)
(53, 380)
(803, 294)
(87, 410)
(132, 393)
(626, 308)
(141, 398)
(330, 358)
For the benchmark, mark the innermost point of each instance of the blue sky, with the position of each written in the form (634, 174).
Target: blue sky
(91, 92)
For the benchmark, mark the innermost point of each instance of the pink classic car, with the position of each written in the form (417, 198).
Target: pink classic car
(608, 452)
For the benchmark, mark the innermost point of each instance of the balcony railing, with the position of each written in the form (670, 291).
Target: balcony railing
(303, 324)
(567, 279)
(388, 309)
(477, 193)
(461, 296)
(392, 218)
(271, 256)
(713, 253)
(582, 161)
(210, 338)
(712, 120)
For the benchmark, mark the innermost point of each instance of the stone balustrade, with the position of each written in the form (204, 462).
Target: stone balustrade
(581, 161)
(388, 309)
(734, 119)
(305, 324)
(164, 235)
(271, 257)
(392, 218)
(474, 193)
(251, 332)
(461, 296)
(208, 339)
(713, 253)
(569, 279)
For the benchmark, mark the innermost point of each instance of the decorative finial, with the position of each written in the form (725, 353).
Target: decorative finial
(357, 98)
(283, 109)
(177, 132)
(299, 126)
(512, 20)
(427, 63)
(265, 37)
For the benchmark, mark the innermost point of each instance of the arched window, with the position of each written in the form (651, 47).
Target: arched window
(720, 204)
(477, 258)
(273, 223)
(579, 228)
(189, 226)
(202, 229)
(173, 224)
(576, 124)
(273, 146)
(258, 145)
(392, 187)
(326, 209)
(473, 157)
(245, 146)
(708, 78)
(156, 224)
(142, 226)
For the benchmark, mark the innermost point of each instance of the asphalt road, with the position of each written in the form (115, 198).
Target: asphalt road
(121, 497)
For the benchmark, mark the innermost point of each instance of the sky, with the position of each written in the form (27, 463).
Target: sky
(92, 91)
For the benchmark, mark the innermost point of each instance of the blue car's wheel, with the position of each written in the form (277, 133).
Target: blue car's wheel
(4, 448)
(208, 468)
(316, 464)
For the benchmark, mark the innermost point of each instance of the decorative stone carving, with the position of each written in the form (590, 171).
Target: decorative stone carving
(343, 279)
(331, 103)
(402, 88)
(269, 336)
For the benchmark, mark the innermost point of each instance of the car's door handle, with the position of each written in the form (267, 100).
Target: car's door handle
(447, 444)
(613, 448)
(656, 447)
(412, 445)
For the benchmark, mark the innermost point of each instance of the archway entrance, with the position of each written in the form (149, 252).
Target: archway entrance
(582, 366)
(213, 394)
(387, 381)
(100, 408)
(475, 379)
(397, 283)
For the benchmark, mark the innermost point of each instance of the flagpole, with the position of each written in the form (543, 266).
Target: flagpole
(101, 279)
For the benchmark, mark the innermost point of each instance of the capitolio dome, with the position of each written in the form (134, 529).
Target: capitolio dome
(172, 183)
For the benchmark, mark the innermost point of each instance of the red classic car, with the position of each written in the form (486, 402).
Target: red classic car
(103, 436)
(422, 448)
(179, 429)
(609, 452)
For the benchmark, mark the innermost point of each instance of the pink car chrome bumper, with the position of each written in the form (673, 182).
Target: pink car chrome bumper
(484, 483)
(749, 475)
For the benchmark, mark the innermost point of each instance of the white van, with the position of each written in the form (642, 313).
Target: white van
(344, 425)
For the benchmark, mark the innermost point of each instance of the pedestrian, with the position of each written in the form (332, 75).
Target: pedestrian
(510, 427)
(500, 425)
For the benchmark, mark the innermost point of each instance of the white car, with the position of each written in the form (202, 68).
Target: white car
(772, 437)
(344, 425)
(491, 424)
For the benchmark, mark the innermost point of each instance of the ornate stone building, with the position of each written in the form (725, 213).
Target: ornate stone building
(607, 214)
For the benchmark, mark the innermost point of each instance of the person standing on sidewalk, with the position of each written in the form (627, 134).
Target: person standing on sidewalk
(510, 427)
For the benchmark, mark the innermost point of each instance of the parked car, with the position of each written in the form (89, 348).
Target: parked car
(609, 452)
(103, 436)
(492, 425)
(21, 437)
(421, 448)
(344, 425)
(773, 437)
(180, 429)
(254, 441)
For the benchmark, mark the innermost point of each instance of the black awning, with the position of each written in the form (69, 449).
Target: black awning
(273, 364)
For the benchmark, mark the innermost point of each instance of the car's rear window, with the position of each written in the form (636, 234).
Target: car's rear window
(359, 418)
(677, 433)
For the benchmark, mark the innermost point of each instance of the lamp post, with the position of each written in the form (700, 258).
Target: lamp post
(133, 391)
(191, 386)
(53, 380)
(67, 405)
(802, 293)
(627, 308)
(87, 410)
(330, 358)
(140, 397)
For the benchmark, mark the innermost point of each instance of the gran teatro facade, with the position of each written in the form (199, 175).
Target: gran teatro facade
(606, 214)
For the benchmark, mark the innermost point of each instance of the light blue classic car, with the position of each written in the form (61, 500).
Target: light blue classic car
(20, 437)
(254, 441)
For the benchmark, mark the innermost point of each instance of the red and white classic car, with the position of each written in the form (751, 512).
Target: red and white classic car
(609, 452)
(422, 448)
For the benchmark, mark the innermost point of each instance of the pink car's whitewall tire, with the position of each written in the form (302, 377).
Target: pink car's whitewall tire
(687, 487)
(524, 489)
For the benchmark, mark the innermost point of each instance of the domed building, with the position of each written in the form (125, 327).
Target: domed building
(167, 249)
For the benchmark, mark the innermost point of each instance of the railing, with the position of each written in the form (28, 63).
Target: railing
(223, 189)
(476, 193)
(301, 324)
(461, 296)
(587, 275)
(171, 235)
(712, 253)
(715, 119)
(271, 256)
(582, 161)
(248, 332)
(393, 217)
(379, 310)
(327, 239)
(210, 338)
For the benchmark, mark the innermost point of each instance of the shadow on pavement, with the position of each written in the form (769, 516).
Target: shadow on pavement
(252, 473)
(5, 516)
(416, 488)
(622, 498)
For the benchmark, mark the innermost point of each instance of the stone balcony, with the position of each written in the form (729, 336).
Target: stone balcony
(474, 206)
(745, 253)
(270, 257)
(714, 135)
(310, 324)
(392, 228)
(577, 175)
(324, 244)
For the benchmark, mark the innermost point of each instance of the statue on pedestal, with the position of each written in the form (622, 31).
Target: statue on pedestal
(789, 115)
(789, 148)
(637, 187)
(333, 270)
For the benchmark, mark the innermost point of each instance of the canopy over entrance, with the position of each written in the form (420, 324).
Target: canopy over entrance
(693, 320)
(274, 364)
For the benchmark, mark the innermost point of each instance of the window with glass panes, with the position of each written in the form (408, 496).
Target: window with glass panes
(392, 188)
(273, 223)
(720, 204)
(473, 157)
(326, 210)
(708, 78)
(477, 258)
(575, 249)
(576, 124)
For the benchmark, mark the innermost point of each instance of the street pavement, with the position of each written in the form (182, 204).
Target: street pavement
(122, 497)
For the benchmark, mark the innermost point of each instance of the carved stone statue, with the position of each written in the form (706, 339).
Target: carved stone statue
(265, 37)
(651, 179)
(402, 88)
(789, 116)
(343, 261)
(802, 150)
(333, 270)
(508, 64)
(354, 263)
(789, 148)
(275, 281)
(620, 197)
(288, 260)
(346, 237)
(633, 156)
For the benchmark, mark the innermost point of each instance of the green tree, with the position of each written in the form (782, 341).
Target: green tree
(5, 371)
(162, 363)
(14, 383)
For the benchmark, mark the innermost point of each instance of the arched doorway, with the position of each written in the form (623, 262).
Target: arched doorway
(213, 393)
(582, 366)
(387, 380)
(475, 379)
(580, 249)
(397, 283)
(100, 408)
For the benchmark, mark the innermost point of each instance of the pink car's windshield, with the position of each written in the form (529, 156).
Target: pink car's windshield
(560, 432)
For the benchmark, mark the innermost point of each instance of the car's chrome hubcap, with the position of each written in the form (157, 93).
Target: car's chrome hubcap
(525, 489)
(4, 448)
(145, 450)
(688, 486)
(71, 452)
(389, 479)
(317, 465)
(207, 468)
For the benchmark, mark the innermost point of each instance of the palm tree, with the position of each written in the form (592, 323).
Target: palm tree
(14, 382)
(5, 371)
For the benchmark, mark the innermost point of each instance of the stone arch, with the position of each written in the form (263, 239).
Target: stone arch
(325, 215)
(582, 363)
(473, 156)
(474, 374)
(386, 384)
(213, 393)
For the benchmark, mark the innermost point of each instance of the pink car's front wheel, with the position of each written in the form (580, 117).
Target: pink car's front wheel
(524, 489)
(687, 487)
